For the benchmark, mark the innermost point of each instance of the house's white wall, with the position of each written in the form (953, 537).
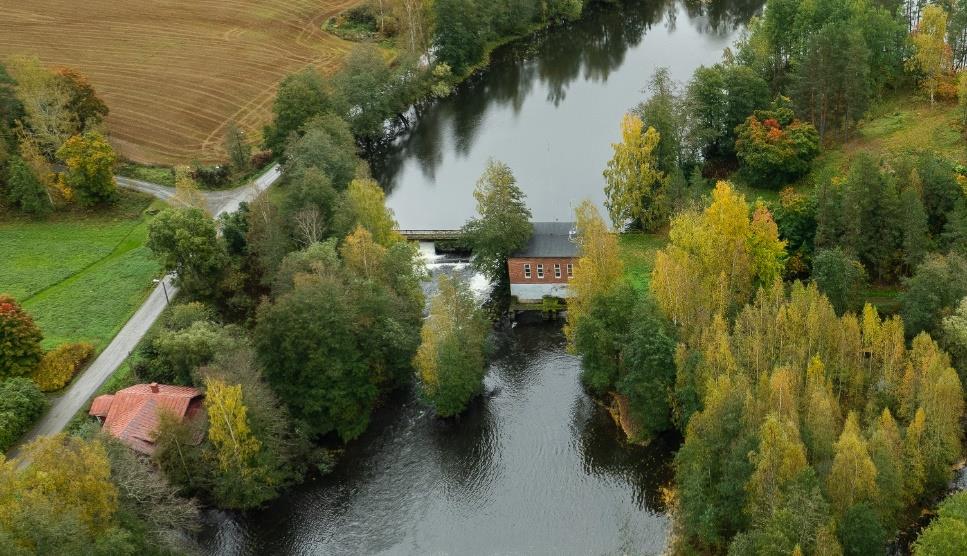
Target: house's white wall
(531, 293)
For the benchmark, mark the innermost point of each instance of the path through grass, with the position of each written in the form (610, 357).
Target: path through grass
(80, 276)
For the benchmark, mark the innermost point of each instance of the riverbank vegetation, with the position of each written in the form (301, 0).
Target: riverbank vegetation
(811, 422)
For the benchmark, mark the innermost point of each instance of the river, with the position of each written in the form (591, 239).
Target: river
(550, 107)
(534, 467)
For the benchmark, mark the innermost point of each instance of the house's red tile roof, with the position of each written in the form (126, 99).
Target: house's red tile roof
(133, 414)
(101, 405)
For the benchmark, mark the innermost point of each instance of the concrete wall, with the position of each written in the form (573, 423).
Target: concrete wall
(534, 293)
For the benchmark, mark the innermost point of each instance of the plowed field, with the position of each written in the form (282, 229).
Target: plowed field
(175, 72)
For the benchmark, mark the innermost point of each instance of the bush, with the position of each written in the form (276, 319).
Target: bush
(21, 403)
(59, 366)
(211, 176)
(20, 350)
(774, 148)
(260, 159)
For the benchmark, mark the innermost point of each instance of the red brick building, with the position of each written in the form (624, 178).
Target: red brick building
(132, 415)
(546, 265)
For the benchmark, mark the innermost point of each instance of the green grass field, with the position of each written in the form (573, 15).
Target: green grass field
(82, 275)
(638, 254)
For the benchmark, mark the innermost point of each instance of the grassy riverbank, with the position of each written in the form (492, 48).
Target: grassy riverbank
(80, 275)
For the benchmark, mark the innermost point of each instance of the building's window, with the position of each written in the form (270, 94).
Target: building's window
(557, 271)
(570, 270)
(540, 272)
(527, 271)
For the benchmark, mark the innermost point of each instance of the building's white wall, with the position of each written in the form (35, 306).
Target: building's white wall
(531, 293)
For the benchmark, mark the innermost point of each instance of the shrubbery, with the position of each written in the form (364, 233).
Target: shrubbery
(21, 403)
(211, 176)
(59, 366)
(20, 338)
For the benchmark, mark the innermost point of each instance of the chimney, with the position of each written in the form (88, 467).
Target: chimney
(154, 387)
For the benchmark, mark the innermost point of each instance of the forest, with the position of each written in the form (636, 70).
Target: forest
(812, 423)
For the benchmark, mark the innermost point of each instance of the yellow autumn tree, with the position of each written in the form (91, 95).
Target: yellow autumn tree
(852, 478)
(364, 204)
(90, 161)
(228, 429)
(186, 190)
(597, 269)
(780, 457)
(716, 259)
(931, 53)
(821, 416)
(361, 255)
(635, 188)
(60, 476)
(914, 472)
(451, 359)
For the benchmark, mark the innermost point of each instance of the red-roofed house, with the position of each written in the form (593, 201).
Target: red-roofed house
(133, 414)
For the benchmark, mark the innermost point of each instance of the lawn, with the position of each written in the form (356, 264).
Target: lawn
(175, 73)
(638, 254)
(81, 276)
(896, 125)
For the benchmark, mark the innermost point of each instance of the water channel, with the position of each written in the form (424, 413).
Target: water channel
(535, 466)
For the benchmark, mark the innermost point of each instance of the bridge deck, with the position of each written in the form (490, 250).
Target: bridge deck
(430, 235)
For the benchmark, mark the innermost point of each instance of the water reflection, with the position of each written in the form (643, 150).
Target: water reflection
(550, 108)
(535, 467)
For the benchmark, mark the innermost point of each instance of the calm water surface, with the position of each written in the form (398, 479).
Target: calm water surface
(550, 108)
(535, 467)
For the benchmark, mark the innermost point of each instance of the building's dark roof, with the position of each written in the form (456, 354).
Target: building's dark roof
(550, 239)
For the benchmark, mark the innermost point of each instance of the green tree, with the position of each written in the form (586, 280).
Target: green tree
(860, 532)
(663, 113)
(21, 403)
(840, 277)
(335, 339)
(719, 98)
(20, 350)
(186, 241)
(831, 87)
(933, 291)
(451, 360)
(502, 225)
(327, 144)
(370, 90)
(460, 32)
(712, 468)
(649, 370)
(301, 97)
(636, 190)
(90, 168)
(25, 190)
(947, 534)
(238, 148)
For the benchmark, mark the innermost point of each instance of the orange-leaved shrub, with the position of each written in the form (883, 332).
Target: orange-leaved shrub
(59, 366)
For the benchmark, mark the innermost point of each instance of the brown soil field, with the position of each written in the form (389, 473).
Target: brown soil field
(174, 73)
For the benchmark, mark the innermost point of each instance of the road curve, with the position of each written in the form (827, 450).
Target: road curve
(64, 408)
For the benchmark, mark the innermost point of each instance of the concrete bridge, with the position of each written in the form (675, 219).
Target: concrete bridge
(430, 235)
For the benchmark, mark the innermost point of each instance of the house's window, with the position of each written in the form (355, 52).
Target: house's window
(570, 270)
(540, 272)
(527, 271)
(557, 270)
